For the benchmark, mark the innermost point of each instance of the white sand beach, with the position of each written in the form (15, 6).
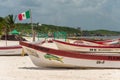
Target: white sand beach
(22, 68)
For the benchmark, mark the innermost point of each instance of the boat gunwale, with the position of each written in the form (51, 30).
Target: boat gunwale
(88, 46)
(71, 54)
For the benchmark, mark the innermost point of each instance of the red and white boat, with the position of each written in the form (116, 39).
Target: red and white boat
(11, 50)
(50, 57)
(87, 48)
(94, 42)
(109, 42)
(84, 42)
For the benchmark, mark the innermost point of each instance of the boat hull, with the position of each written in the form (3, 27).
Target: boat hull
(86, 48)
(46, 57)
(10, 50)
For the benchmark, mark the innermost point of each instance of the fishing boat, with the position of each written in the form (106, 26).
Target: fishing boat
(84, 42)
(87, 48)
(11, 50)
(94, 42)
(109, 42)
(43, 56)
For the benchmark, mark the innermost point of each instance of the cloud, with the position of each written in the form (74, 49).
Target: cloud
(89, 14)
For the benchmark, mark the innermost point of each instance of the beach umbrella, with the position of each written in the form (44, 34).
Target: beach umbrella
(14, 32)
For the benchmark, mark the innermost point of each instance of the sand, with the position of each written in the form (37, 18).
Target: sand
(22, 68)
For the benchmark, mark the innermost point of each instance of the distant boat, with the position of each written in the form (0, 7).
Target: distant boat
(109, 42)
(87, 48)
(95, 42)
(51, 57)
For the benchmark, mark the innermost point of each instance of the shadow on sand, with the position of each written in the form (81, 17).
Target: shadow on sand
(59, 68)
(50, 68)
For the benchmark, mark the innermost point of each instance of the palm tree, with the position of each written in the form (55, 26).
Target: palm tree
(9, 22)
(1, 25)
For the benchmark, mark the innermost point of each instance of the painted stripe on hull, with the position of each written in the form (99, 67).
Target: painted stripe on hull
(110, 46)
(72, 54)
(41, 61)
(86, 48)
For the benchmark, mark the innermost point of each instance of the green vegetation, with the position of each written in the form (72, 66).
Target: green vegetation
(7, 24)
(50, 29)
(44, 28)
(1, 24)
(101, 33)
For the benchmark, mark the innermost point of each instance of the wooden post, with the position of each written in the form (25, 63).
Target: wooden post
(6, 35)
(33, 34)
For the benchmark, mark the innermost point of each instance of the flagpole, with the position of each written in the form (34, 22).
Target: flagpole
(33, 35)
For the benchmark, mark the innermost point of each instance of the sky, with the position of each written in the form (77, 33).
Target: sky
(87, 14)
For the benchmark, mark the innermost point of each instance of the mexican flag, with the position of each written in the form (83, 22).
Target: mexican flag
(24, 15)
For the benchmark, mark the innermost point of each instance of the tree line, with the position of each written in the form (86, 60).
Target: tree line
(7, 24)
(45, 28)
(50, 29)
